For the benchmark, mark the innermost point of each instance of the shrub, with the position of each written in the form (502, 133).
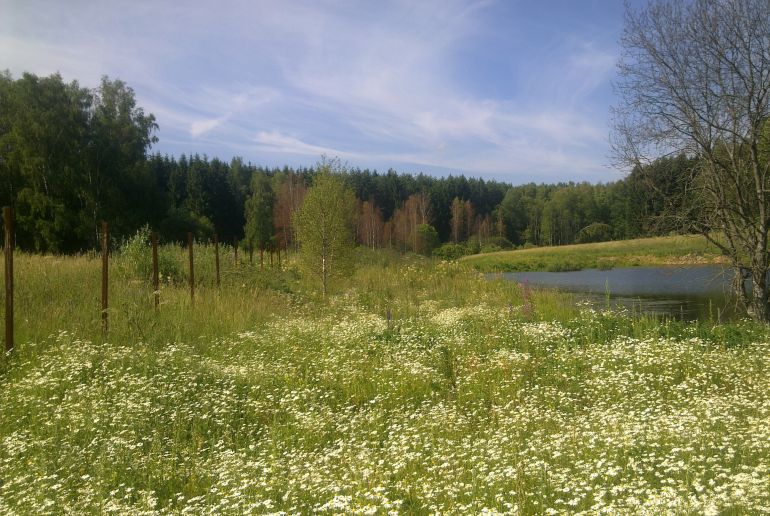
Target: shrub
(136, 259)
(501, 242)
(596, 232)
(450, 251)
(180, 221)
(490, 248)
(472, 246)
(427, 239)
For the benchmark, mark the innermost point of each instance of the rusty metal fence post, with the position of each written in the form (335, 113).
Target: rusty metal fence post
(105, 278)
(216, 256)
(192, 267)
(155, 278)
(8, 219)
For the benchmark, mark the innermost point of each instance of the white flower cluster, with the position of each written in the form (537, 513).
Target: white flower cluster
(454, 410)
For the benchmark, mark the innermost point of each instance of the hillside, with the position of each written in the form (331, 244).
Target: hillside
(671, 250)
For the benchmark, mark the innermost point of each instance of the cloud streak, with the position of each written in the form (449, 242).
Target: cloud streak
(274, 141)
(378, 84)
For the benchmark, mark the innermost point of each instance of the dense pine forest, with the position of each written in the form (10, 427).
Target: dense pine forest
(71, 157)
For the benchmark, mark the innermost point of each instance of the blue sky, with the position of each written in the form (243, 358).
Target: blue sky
(512, 90)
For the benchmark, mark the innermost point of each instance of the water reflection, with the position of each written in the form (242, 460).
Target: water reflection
(692, 292)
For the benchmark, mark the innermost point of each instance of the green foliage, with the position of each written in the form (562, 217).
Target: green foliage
(427, 239)
(450, 251)
(646, 251)
(258, 230)
(324, 226)
(180, 221)
(515, 214)
(77, 155)
(136, 259)
(44, 222)
(500, 242)
(120, 134)
(596, 232)
(489, 248)
(71, 157)
(472, 246)
(180, 410)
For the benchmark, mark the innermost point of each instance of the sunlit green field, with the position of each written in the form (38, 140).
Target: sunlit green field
(475, 397)
(671, 250)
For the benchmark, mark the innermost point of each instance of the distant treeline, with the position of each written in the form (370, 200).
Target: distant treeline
(71, 157)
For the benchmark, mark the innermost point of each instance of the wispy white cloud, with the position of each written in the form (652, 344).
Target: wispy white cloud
(200, 127)
(372, 82)
(274, 141)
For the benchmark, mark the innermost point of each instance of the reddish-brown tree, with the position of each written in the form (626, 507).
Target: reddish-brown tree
(288, 198)
(370, 225)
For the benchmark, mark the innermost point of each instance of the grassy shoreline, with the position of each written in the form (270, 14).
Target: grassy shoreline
(475, 397)
(671, 250)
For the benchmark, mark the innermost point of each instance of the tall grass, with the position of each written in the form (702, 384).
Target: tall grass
(672, 250)
(476, 397)
(54, 293)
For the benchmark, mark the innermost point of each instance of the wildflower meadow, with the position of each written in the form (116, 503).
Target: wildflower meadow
(461, 402)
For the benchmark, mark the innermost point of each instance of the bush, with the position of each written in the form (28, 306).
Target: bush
(596, 232)
(427, 239)
(500, 242)
(180, 221)
(450, 251)
(472, 246)
(490, 248)
(136, 259)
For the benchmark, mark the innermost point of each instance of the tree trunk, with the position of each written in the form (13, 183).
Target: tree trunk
(324, 268)
(323, 274)
(758, 308)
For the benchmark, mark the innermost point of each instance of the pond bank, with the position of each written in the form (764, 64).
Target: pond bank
(658, 251)
(683, 292)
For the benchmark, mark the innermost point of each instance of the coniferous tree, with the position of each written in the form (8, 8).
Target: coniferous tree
(458, 212)
(258, 230)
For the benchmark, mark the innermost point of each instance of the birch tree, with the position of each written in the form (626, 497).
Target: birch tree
(325, 224)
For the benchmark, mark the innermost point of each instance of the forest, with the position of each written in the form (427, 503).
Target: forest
(71, 157)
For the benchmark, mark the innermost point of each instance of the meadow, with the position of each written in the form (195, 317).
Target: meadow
(474, 396)
(669, 250)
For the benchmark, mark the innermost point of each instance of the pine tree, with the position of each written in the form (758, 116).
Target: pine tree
(259, 214)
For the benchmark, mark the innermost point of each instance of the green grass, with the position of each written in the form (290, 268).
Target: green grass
(672, 250)
(261, 398)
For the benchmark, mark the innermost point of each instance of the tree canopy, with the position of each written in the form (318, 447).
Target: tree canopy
(71, 156)
(325, 225)
(259, 214)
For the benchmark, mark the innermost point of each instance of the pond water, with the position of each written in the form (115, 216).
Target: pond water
(691, 292)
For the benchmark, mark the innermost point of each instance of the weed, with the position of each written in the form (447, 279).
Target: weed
(260, 399)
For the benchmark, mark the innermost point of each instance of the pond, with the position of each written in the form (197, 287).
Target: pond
(682, 292)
